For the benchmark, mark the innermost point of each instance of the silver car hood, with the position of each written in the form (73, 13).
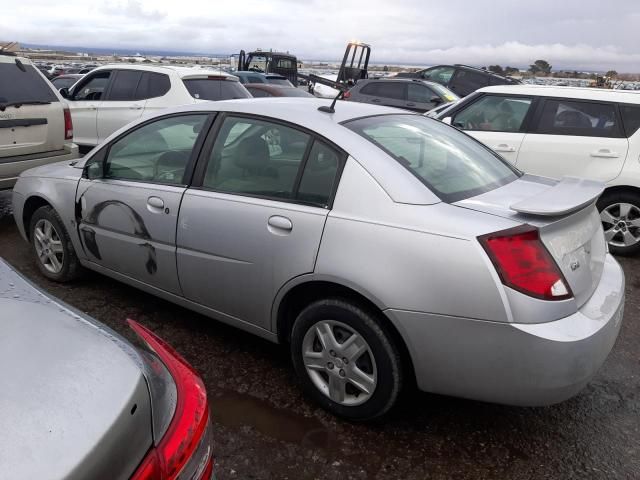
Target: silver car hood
(65, 169)
(74, 403)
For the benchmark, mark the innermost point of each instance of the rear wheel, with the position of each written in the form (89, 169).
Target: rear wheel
(345, 360)
(52, 246)
(620, 215)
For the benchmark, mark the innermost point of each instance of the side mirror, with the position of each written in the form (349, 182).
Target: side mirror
(447, 120)
(436, 100)
(94, 170)
(64, 92)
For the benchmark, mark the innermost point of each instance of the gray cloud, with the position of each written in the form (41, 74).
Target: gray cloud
(583, 34)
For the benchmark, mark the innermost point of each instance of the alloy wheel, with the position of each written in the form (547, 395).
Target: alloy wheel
(48, 245)
(621, 223)
(339, 362)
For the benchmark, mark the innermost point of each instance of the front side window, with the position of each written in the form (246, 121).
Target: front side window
(125, 85)
(449, 163)
(493, 113)
(419, 93)
(93, 88)
(158, 152)
(439, 74)
(567, 117)
(215, 89)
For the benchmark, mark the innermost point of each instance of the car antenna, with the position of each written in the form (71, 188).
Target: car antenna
(331, 108)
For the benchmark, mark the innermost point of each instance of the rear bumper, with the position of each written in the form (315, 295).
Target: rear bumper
(11, 169)
(515, 364)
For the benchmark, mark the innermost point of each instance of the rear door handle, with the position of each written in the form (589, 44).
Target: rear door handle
(376, 100)
(281, 223)
(503, 147)
(604, 153)
(135, 107)
(155, 202)
(411, 104)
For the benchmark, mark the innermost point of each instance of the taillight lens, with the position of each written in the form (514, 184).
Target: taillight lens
(524, 264)
(184, 452)
(346, 95)
(68, 124)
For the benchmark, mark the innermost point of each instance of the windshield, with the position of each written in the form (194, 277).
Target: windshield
(451, 164)
(18, 86)
(210, 89)
(279, 81)
(444, 92)
(257, 62)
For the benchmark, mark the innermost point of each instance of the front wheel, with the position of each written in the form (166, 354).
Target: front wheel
(620, 215)
(345, 360)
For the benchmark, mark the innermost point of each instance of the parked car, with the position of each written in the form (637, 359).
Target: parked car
(559, 131)
(435, 112)
(462, 79)
(267, 90)
(35, 124)
(90, 403)
(250, 77)
(113, 95)
(410, 94)
(66, 81)
(382, 247)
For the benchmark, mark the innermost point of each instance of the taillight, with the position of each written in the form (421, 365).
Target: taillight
(68, 124)
(524, 264)
(184, 452)
(346, 95)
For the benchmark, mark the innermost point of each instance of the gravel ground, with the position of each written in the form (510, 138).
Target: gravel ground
(266, 429)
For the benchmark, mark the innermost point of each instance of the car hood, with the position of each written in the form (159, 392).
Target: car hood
(65, 169)
(74, 402)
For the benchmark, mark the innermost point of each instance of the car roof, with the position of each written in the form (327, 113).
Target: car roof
(584, 93)
(181, 71)
(399, 79)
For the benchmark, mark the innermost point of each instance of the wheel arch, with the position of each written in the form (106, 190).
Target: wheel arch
(620, 189)
(31, 204)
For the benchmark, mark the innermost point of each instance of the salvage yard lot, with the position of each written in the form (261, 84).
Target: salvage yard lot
(265, 428)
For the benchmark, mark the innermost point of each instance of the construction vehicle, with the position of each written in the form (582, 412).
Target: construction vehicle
(281, 63)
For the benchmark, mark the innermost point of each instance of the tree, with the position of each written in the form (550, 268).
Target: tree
(511, 70)
(540, 66)
(496, 69)
(612, 74)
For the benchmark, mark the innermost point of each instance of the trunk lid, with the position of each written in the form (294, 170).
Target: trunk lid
(565, 214)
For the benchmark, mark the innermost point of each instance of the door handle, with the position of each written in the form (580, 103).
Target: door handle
(503, 147)
(155, 202)
(281, 223)
(604, 153)
(376, 100)
(92, 107)
(411, 104)
(135, 107)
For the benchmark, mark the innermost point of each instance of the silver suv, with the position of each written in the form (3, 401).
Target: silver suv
(35, 123)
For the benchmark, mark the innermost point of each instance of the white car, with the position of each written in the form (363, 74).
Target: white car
(566, 131)
(35, 123)
(112, 96)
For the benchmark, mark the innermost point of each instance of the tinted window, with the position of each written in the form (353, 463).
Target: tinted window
(494, 114)
(439, 74)
(157, 152)
(27, 86)
(63, 82)
(631, 118)
(568, 117)
(419, 93)
(319, 175)
(256, 92)
(93, 87)
(467, 81)
(152, 85)
(393, 90)
(255, 157)
(124, 85)
(450, 163)
(210, 89)
(285, 63)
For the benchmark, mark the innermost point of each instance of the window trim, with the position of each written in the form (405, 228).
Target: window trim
(204, 158)
(103, 153)
(527, 121)
(88, 77)
(535, 122)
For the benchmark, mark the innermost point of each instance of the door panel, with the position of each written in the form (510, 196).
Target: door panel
(503, 143)
(130, 228)
(113, 115)
(235, 252)
(85, 121)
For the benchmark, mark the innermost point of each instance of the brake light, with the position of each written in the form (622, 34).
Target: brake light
(524, 264)
(346, 95)
(184, 452)
(68, 124)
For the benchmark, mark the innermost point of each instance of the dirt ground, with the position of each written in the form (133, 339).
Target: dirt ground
(266, 429)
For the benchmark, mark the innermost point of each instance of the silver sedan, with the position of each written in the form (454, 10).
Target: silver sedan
(80, 402)
(380, 246)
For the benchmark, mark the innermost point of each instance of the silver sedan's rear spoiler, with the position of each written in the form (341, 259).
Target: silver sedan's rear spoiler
(568, 195)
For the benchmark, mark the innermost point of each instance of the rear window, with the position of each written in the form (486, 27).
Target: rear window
(210, 89)
(451, 164)
(17, 85)
(631, 118)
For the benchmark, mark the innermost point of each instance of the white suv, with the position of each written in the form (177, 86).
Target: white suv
(35, 124)
(111, 96)
(564, 131)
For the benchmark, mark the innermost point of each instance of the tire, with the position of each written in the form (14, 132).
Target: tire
(620, 214)
(54, 244)
(325, 375)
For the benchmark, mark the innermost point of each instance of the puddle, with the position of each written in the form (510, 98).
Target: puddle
(232, 409)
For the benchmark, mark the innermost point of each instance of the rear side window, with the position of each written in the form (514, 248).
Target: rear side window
(631, 118)
(448, 162)
(319, 175)
(214, 89)
(23, 86)
(393, 90)
(419, 93)
(153, 85)
(439, 74)
(494, 113)
(124, 85)
(467, 81)
(568, 117)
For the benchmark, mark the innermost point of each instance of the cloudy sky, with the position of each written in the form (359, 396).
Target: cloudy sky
(583, 34)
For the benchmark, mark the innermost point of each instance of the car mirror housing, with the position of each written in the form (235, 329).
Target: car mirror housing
(64, 92)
